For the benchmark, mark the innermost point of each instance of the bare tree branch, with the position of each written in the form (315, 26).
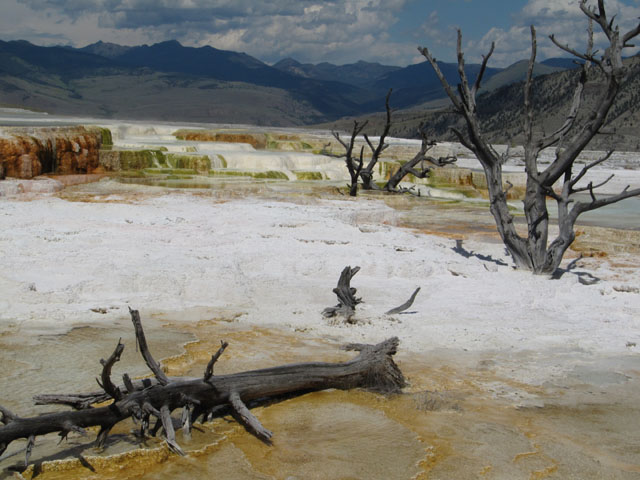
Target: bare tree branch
(208, 373)
(591, 187)
(533, 252)
(353, 166)
(366, 173)
(248, 419)
(373, 368)
(108, 386)
(483, 68)
(405, 305)
(588, 167)
(169, 432)
(447, 88)
(581, 207)
(530, 156)
(575, 53)
(144, 349)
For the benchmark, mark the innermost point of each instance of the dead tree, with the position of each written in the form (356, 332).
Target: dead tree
(356, 167)
(420, 158)
(366, 174)
(354, 164)
(346, 294)
(144, 400)
(534, 252)
(347, 299)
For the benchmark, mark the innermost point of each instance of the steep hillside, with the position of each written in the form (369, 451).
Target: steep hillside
(23, 59)
(517, 73)
(500, 112)
(418, 83)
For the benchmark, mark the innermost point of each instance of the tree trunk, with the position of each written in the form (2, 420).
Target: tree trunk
(373, 368)
(533, 251)
(346, 296)
(499, 208)
(367, 180)
(353, 187)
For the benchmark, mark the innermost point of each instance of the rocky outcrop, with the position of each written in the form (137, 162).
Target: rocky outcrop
(26, 152)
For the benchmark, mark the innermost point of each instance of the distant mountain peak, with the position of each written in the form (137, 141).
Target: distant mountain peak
(168, 43)
(105, 49)
(287, 62)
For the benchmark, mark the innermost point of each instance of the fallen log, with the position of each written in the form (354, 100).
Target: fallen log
(372, 369)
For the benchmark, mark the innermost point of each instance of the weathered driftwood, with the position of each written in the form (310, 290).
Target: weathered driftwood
(405, 305)
(373, 368)
(346, 296)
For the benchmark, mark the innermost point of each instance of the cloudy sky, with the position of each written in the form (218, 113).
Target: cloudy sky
(337, 31)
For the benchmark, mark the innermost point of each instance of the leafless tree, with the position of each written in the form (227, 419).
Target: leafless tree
(354, 164)
(534, 252)
(416, 166)
(367, 173)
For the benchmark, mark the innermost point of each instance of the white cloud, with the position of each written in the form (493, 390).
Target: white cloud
(560, 17)
(311, 30)
(339, 31)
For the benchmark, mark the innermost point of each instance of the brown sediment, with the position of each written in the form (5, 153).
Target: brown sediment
(69, 180)
(459, 418)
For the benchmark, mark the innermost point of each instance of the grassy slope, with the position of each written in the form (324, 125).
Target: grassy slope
(159, 96)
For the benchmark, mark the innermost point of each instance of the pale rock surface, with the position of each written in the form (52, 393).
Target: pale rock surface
(276, 264)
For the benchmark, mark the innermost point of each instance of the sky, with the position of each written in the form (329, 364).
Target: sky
(314, 31)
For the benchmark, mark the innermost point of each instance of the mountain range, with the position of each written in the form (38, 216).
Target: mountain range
(169, 81)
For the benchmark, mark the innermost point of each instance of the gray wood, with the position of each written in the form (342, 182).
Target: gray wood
(366, 174)
(405, 305)
(420, 158)
(354, 163)
(534, 252)
(373, 369)
(144, 349)
(346, 296)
